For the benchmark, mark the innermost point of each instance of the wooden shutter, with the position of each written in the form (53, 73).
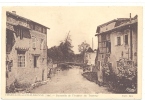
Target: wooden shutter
(44, 45)
(41, 44)
(33, 42)
(122, 40)
(115, 40)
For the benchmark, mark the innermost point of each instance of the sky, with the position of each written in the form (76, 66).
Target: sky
(81, 21)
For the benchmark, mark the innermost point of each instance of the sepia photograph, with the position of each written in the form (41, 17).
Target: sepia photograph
(71, 50)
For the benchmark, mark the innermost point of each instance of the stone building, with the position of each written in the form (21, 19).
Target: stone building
(117, 40)
(26, 50)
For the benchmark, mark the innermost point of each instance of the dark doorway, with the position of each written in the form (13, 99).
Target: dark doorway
(35, 61)
(109, 46)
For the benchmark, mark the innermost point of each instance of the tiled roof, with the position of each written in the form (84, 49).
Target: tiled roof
(120, 22)
(89, 50)
(25, 19)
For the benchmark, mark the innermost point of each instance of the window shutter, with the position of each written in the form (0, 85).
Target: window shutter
(115, 40)
(122, 40)
(43, 47)
(32, 42)
(35, 42)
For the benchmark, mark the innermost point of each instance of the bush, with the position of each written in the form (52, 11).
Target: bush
(21, 85)
(16, 86)
(126, 78)
(10, 89)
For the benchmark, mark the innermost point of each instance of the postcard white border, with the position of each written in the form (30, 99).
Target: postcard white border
(98, 96)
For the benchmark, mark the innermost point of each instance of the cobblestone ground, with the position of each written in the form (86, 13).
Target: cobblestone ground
(70, 81)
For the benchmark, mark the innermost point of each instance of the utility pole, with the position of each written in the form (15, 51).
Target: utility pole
(92, 44)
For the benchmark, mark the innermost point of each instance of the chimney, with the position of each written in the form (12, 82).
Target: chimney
(130, 17)
(14, 12)
(92, 44)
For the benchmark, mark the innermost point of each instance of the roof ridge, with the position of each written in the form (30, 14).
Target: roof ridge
(26, 19)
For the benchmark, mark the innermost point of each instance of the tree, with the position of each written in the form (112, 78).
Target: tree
(63, 52)
(66, 48)
(83, 47)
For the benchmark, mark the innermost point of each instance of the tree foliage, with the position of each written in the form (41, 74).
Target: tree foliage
(62, 52)
(83, 47)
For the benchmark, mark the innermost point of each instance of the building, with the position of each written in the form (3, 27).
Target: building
(26, 50)
(89, 58)
(117, 41)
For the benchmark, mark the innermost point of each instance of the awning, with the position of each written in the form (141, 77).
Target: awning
(22, 48)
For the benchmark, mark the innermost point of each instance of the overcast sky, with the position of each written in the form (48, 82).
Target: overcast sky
(80, 21)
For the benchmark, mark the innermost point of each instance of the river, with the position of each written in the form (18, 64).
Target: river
(70, 81)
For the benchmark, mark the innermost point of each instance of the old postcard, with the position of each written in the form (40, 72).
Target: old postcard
(72, 52)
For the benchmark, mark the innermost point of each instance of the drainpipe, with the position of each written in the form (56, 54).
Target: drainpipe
(130, 39)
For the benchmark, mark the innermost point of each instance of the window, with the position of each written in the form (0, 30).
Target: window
(102, 56)
(118, 40)
(126, 39)
(103, 37)
(21, 58)
(105, 47)
(99, 38)
(109, 46)
(20, 31)
(33, 42)
(41, 44)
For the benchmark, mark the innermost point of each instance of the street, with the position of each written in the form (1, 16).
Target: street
(70, 81)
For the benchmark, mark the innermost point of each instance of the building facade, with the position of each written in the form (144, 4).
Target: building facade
(89, 58)
(26, 50)
(117, 44)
